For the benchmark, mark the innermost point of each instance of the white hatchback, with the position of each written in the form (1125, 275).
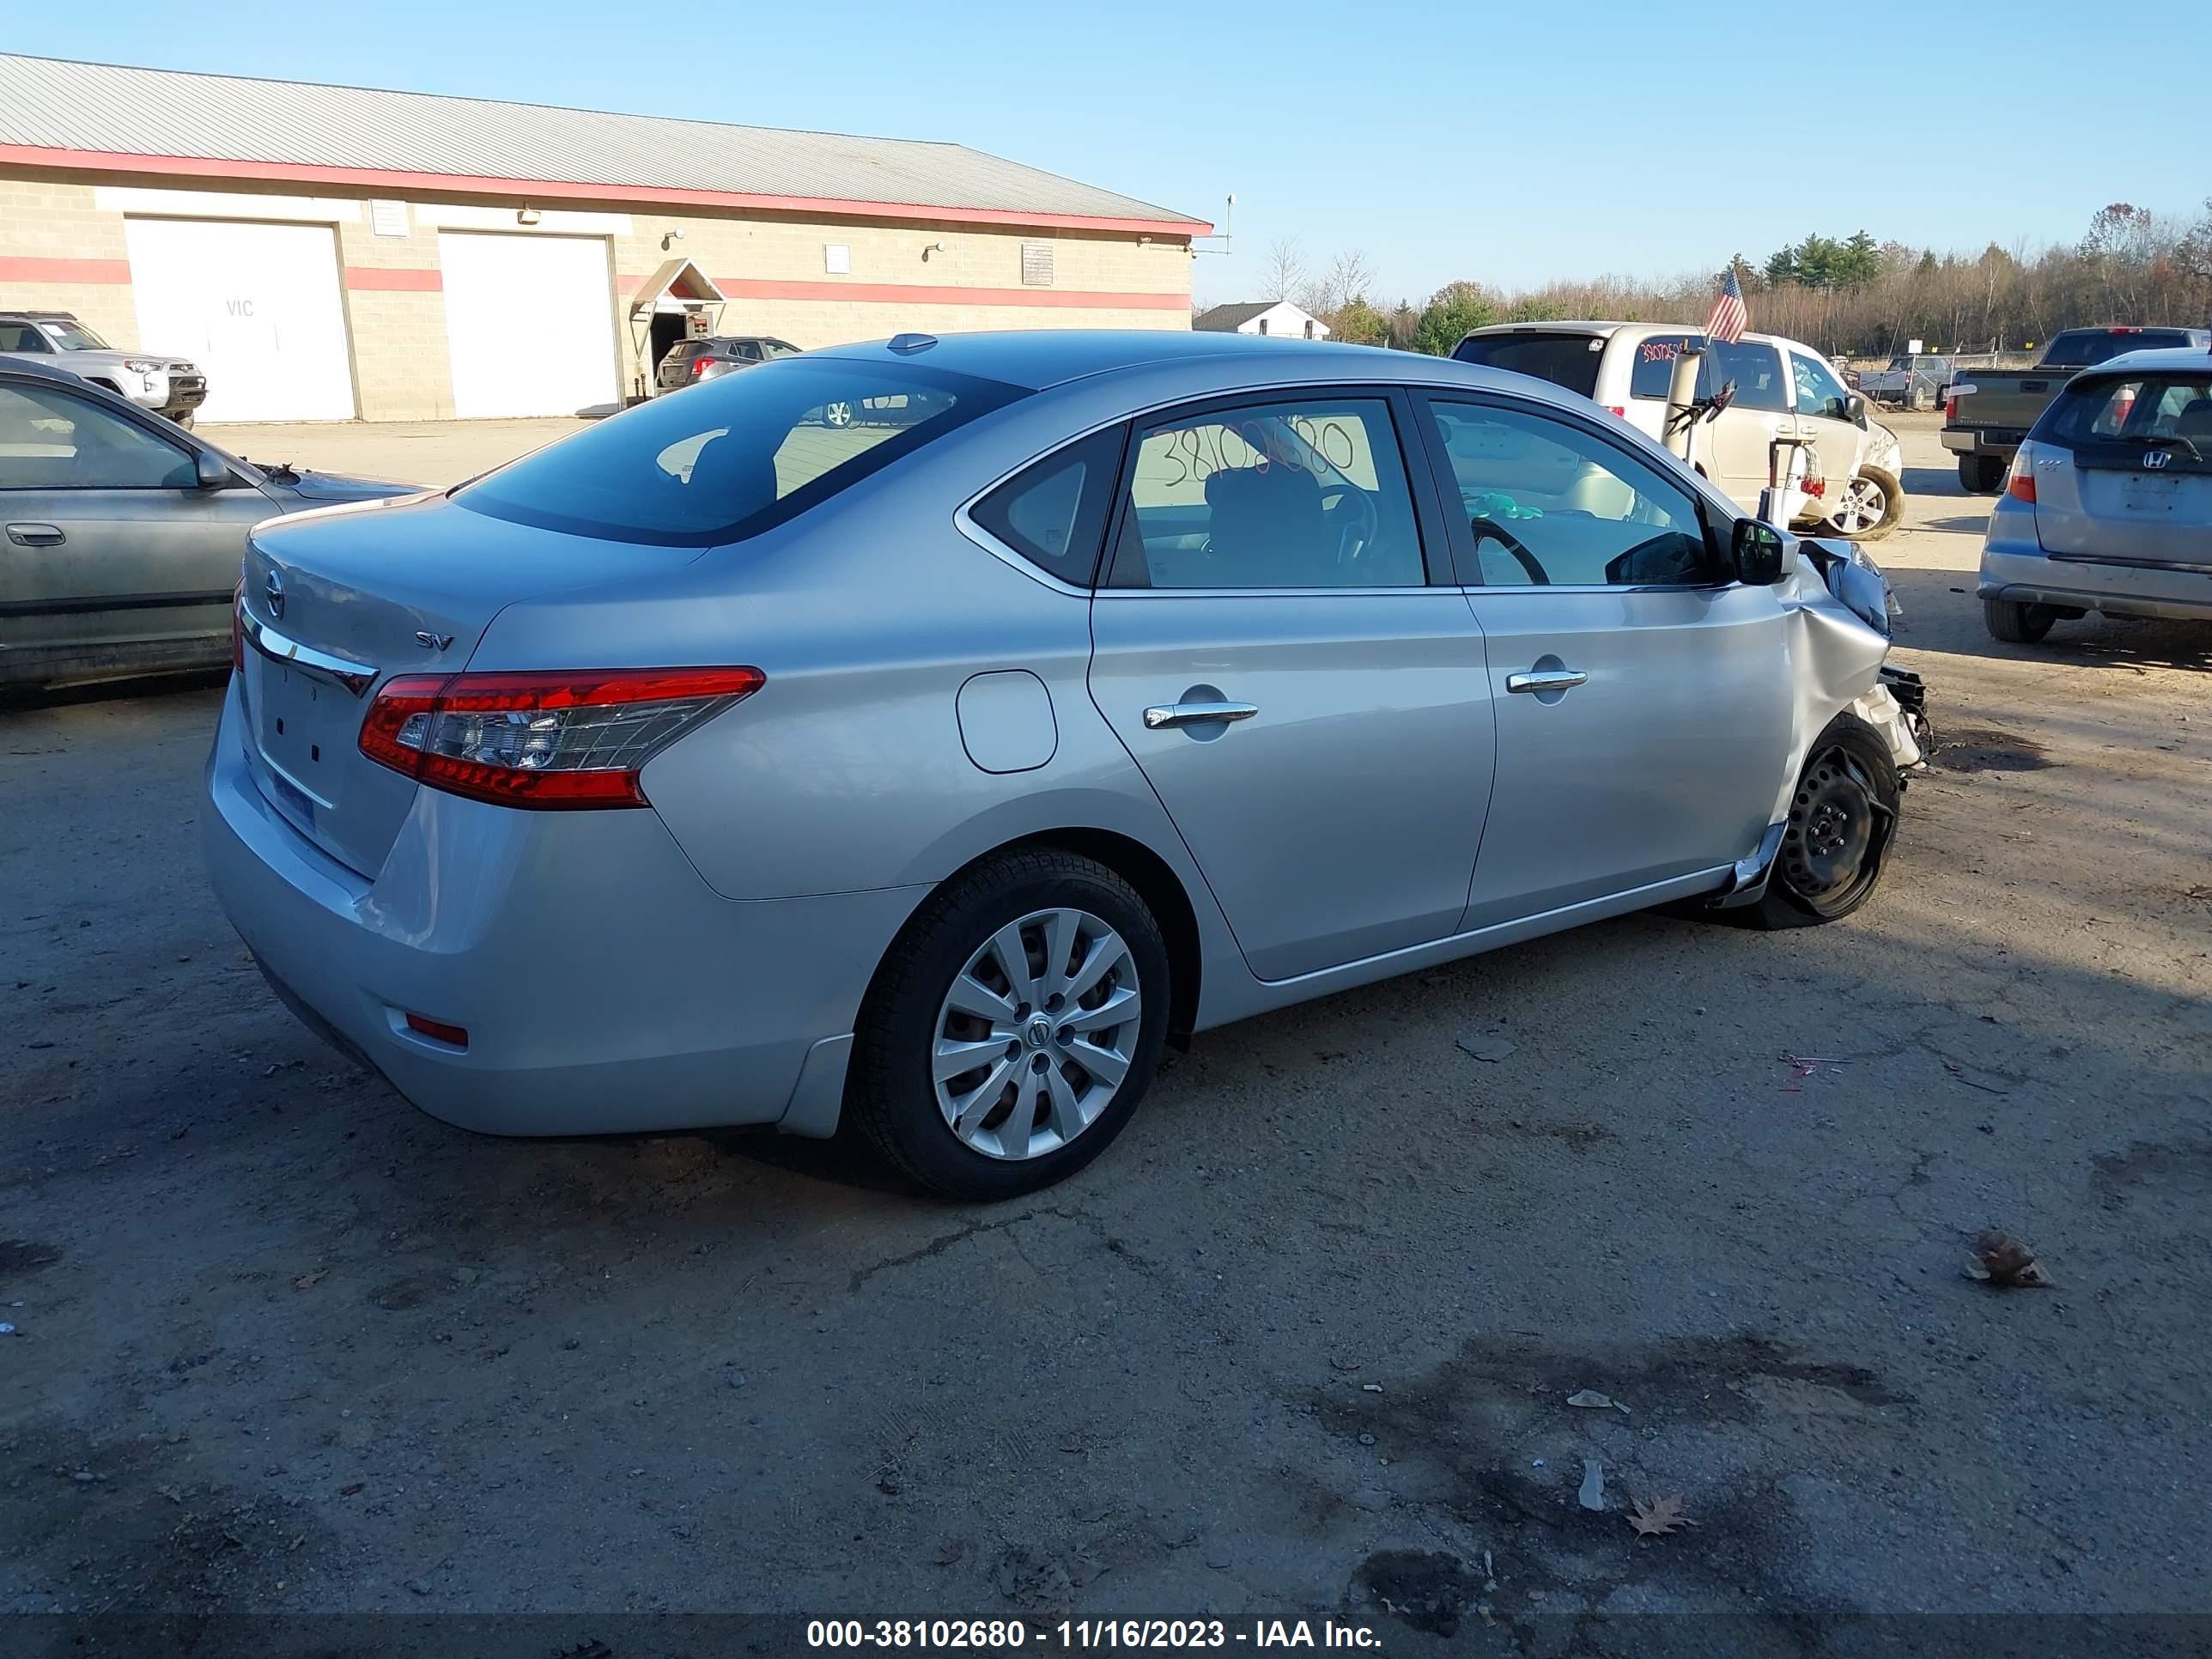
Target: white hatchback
(1783, 388)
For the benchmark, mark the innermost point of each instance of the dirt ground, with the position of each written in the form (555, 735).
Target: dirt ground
(1301, 1341)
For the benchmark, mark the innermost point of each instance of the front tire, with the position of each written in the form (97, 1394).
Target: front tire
(1842, 821)
(1012, 1027)
(2015, 622)
(1868, 508)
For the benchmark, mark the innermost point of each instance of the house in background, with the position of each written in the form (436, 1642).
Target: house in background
(1269, 317)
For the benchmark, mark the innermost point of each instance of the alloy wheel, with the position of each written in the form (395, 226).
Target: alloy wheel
(1859, 507)
(837, 414)
(1036, 1034)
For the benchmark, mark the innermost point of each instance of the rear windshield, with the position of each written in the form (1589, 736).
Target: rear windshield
(2142, 411)
(734, 456)
(2101, 345)
(1567, 360)
(1651, 369)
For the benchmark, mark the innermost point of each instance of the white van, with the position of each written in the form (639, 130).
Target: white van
(1782, 388)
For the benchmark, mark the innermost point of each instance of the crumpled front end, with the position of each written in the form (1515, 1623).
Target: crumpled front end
(1844, 609)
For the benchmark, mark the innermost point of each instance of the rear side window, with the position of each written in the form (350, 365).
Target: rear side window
(735, 456)
(22, 337)
(1756, 369)
(1651, 369)
(1565, 360)
(1053, 512)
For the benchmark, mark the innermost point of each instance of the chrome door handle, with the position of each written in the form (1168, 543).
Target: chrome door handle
(1163, 717)
(1546, 679)
(36, 535)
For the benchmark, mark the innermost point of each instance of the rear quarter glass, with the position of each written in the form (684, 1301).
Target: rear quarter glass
(1565, 360)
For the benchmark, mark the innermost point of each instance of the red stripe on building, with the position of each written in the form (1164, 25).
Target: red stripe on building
(764, 287)
(22, 268)
(394, 279)
(550, 189)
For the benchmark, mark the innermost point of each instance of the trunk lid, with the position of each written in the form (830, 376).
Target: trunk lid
(2110, 503)
(338, 601)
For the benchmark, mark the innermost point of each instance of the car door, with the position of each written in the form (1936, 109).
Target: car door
(114, 556)
(1642, 702)
(1823, 411)
(1732, 448)
(1312, 712)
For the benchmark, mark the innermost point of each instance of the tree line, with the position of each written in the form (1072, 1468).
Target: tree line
(1849, 296)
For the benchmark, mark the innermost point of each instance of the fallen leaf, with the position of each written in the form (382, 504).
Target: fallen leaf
(1658, 1517)
(308, 1281)
(1593, 1400)
(948, 1551)
(2003, 1261)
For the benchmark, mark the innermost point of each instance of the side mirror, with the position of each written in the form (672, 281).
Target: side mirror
(1855, 409)
(1755, 553)
(211, 472)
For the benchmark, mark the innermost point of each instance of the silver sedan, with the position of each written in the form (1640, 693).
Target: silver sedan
(727, 764)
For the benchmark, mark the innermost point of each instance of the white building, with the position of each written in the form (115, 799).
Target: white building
(1270, 316)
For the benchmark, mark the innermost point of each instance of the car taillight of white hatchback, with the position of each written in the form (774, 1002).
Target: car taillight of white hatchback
(544, 740)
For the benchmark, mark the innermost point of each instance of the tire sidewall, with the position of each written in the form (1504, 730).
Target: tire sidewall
(1783, 907)
(1893, 507)
(904, 1117)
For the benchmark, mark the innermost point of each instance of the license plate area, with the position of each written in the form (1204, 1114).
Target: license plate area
(2146, 493)
(304, 726)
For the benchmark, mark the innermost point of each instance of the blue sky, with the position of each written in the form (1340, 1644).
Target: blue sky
(1507, 145)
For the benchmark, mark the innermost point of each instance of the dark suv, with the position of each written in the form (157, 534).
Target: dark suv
(689, 361)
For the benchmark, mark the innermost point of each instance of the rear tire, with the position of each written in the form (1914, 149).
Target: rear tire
(1842, 825)
(952, 1134)
(2015, 622)
(1981, 475)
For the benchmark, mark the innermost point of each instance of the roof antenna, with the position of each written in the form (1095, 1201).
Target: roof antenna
(1228, 235)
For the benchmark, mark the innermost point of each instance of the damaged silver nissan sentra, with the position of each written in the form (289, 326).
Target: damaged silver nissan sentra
(929, 731)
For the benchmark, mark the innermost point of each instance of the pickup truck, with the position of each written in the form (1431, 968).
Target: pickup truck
(1989, 411)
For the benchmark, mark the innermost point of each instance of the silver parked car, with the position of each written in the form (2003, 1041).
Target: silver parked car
(125, 533)
(2108, 505)
(721, 766)
(168, 384)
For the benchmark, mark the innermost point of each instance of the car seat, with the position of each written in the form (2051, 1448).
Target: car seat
(1266, 529)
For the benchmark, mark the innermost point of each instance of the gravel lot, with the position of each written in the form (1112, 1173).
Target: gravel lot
(1301, 1341)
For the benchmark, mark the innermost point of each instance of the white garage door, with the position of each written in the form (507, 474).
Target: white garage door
(256, 307)
(531, 322)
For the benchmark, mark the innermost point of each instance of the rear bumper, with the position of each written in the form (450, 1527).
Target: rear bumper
(2016, 568)
(1966, 443)
(603, 986)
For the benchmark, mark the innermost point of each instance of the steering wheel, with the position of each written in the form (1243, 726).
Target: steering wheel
(1484, 526)
(1359, 536)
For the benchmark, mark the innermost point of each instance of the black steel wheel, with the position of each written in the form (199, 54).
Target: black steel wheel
(1843, 818)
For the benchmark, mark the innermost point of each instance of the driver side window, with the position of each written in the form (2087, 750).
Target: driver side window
(1300, 493)
(1549, 504)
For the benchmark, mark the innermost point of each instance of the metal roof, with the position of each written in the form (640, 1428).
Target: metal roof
(103, 116)
(1227, 319)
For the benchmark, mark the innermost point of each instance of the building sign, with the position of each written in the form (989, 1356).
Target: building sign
(837, 258)
(1036, 264)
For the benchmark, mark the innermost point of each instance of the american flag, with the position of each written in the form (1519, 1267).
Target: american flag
(1729, 317)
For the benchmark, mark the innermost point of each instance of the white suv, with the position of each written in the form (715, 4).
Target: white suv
(1783, 389)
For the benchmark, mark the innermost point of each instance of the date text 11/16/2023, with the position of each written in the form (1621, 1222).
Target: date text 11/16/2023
(997, 1635)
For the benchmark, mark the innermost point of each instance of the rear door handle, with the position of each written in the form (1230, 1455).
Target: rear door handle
(36, 535)
(1546, 679)
(1162, 717)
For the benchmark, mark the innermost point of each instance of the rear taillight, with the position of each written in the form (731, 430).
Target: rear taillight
(699, 366)
(1617, 409)
(238, 627)
(2020, 482)
(544, 740)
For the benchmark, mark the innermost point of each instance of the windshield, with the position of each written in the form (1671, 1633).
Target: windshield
(729, 459)
(73, 337)
(1567, 360)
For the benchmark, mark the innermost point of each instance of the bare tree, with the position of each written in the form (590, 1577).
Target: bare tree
(1349, 278)
(1286, 268)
